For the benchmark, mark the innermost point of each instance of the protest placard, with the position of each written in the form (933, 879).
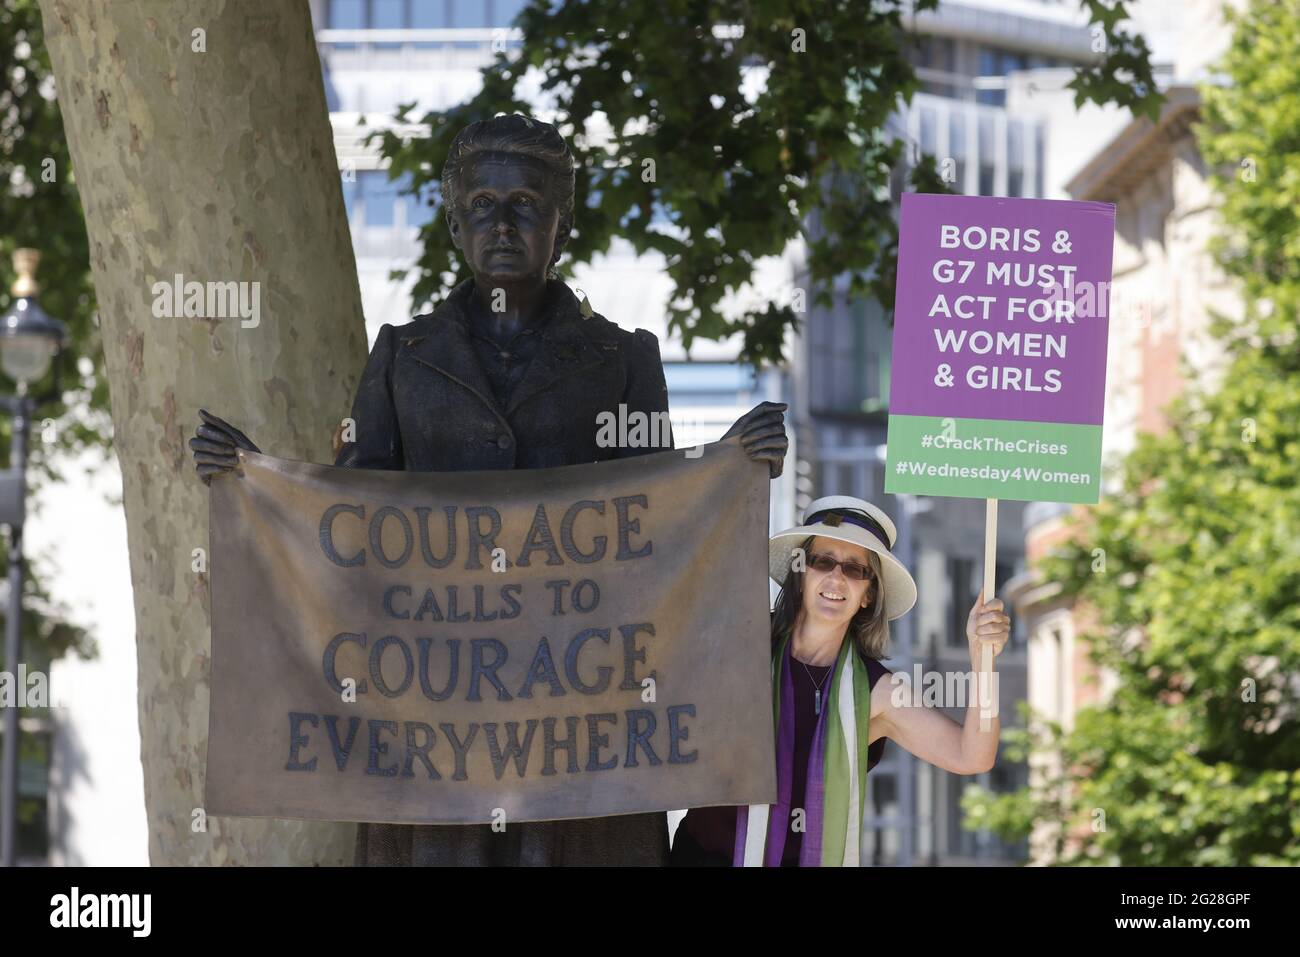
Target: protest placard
(998, 375)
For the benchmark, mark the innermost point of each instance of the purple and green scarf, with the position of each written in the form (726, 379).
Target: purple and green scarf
(835, 797)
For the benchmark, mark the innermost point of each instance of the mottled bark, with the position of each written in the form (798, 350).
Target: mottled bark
(217, 165)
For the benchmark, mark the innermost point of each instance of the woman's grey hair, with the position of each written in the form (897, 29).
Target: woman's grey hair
(515, 133)
(869, 628)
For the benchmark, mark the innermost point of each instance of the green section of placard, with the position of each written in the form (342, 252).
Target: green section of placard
(993, 458)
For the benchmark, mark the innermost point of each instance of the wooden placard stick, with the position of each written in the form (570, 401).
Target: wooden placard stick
(987, 680)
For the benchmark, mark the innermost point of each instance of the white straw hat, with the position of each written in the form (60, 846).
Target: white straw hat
(852, 520)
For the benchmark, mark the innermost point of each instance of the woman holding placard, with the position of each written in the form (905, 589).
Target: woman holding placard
(840, 588)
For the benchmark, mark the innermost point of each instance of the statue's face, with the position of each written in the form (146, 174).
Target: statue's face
(505, 224)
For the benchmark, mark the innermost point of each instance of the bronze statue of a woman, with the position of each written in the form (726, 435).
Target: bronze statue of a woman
(509, 372)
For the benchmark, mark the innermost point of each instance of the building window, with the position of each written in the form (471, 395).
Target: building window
(967, 577)
(874, 351)
(375, 203)
(957, 147)
(929, 142)
(1015, 158)
(1038, 159)
(378, 198)
(470, 13)
(419, 209)
(987, 153)
(852, 345)
(995, 61)
(347, 15)
(505, 11)
(939, 53)
(33, 826)
(428, 14)
(421, 14)
(387, 14)
(961, 573)
(882, 786)
(708, 383)
(961, 843)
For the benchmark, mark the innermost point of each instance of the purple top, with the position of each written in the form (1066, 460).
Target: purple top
(714, 828)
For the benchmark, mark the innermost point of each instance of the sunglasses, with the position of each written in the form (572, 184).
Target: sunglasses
(852, 570)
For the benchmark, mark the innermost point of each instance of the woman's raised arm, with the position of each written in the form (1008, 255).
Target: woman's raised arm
(929, 733)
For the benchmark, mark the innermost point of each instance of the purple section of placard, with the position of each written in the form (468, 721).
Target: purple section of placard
(1081, 372)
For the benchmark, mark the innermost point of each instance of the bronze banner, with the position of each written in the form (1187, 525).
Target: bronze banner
(479, 647)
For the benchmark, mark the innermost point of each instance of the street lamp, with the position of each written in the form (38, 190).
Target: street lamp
(29, 341)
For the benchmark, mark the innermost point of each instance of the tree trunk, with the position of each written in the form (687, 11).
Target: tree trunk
(202, 146)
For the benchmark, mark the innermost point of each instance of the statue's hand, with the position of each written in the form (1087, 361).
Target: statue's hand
(762, 434)
(214, 445)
